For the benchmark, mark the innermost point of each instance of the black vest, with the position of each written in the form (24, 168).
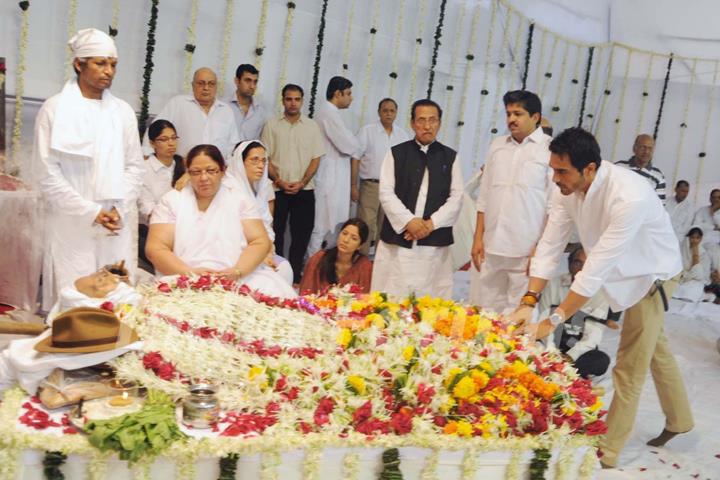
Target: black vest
(410, 165)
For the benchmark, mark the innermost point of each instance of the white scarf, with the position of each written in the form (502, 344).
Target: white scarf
(686, 253)
(77, 131)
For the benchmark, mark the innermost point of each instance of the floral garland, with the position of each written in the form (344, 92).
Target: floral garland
(515, 50)
(539, 464)
(228, 466)
(19, 85)
(645, 94)
(713, 89)
(52, 463)
(528, 53)
(663, 95)
(575, 84)
(429, 471)
(285, 49)
(115, 21)
(548, 71)
(348, 36)
(416, 54)
(683, 125)
(607, 91)
(71, 30)
(391, 465)
(318, 54)
(499, 85)
(396, 49)
(470, 57)
(436, 47)
(351, 466)
(541, 60)
(224, 49)
(450, 88)
(260, 39)
(596, 81)
(588, 68)
(369, 61)
(561, 78)
(148, 69)
(621, 106)
(190, 46)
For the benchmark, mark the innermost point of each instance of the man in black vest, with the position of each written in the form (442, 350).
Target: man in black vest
(421, 190)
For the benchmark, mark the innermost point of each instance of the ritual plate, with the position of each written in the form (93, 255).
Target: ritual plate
(101, 409)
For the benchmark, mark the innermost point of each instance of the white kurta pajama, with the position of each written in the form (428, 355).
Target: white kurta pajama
(87, 157)
(214, 238)
(514, 195)
(332, 180)
(420, 270)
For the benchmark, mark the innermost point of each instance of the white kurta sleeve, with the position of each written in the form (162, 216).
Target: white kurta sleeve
(553, 241)
(133, 158)
(447, 215)
(339, 135)
(55, 187)
(397, 214)
(484, 190)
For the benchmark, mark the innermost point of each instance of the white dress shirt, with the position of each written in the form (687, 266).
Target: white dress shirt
(625, 231)
(515, 193)
(157, 180)
(250, 124)
(681, 215)
(194, 126)
(375, 143)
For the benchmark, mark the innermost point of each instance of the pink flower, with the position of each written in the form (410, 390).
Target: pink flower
(164, 287)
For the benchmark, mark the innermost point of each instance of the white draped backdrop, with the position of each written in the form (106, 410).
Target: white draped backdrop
(632, 41)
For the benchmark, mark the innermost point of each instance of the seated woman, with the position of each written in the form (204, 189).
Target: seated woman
(696, 267)
(162, 169)
(248, 166)
(210, 226)
(342, 264)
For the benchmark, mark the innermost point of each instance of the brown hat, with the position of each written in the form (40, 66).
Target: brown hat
(85, 330)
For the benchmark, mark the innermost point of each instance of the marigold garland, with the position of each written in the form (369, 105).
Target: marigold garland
(318, 55)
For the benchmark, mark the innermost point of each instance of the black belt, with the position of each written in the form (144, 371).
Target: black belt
(373, 180)
(659, 288)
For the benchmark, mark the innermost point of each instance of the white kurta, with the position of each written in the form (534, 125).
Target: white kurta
(693, 278)
(681, 215)
(214, 238)
(74, 245)
(332, 180)
(422, 270)
(194, 126)
(157, 180)
(709, 223)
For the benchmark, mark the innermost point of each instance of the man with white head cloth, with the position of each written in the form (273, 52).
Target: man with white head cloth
(88, 163)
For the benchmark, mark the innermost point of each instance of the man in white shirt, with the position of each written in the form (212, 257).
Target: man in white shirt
(641, 163)
(421, 190)
(633, 255)
(680, 209)
(332, 182)
(511, 205)
(88, 162)
(250, 115)
(200, 118)
(375, 140)
(708, 219)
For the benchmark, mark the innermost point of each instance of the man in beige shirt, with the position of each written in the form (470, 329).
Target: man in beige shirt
(295, 145)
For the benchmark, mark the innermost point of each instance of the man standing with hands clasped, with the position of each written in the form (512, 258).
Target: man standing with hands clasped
(633, 255)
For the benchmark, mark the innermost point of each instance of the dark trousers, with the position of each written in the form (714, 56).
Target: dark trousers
(301, 209)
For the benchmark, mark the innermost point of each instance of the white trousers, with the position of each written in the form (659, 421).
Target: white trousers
(500, 283)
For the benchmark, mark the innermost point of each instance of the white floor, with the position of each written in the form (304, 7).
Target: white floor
(693, 332)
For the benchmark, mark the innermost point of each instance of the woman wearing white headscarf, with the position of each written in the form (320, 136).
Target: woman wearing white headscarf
(696, 267)
(249, 166)
(88, 165)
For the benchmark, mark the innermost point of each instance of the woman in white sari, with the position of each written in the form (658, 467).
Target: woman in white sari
(696, 267)
(211, 226)
(249, 166)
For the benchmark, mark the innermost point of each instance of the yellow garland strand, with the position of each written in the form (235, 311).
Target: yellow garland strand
(621, 106)
(701, 165)
(268, 465)
(459, 28)
(98, 466)
(225, 48)
(550, 64)
(369, 62)
(191, 37)
(19, 91)
(564, 463)
(260, 40)
(71, 30)
(608, 83)
(587, 467)
(683, 126)
(468, 72)
(396, 47)
(285, 51)
(513, 468)
(416, 54)
(643, 100)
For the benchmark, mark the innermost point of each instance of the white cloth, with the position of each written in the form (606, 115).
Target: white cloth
(215, 239)
(332, 180)
(91, 42)
(195, 127)
(515, 192)
(374, 145)
(250, 124)
(681, 215)
(691, 284)
(70, 182)
(70, 297)
(423, 270)
(625, 231)
(709, 222)
(157, 180)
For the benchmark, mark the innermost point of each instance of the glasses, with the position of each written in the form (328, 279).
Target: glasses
(210, 172)
(256, 162)
(203, 84)
(167, 139)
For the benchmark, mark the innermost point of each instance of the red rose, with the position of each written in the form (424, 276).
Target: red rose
(440, 421)
(425, 394)
(401, 422)
(164, 287)
(108, 306)
(363, 413)
(598, 427)
(152, 360)
(166, 371)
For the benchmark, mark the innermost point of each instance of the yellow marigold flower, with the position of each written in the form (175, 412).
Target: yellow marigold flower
(450, 428)
(357, 306)
(357, 383)
(428, 351)
(408, 353)
(483, 324)
(464, 428)
(344, 337)
(568, 410)
(597, 405)
(485, 365)
(451, 375)
(480, 378)
(465, 388)
(429, 316)
(447, 406)
(375, 319)
(254, 372)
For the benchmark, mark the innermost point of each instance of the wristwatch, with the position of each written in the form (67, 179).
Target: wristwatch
(557, 318)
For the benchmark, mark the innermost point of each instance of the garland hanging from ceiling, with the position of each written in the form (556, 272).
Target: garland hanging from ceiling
(528, 53)
(416, 54)
(396, 49)
(645, 95)
(148, 69)
(588, 68)
(190, 46)
(318, 55)
(285, 50)
(662, 96)
(369, 62)
(260, 38)
(19, 87)
(348, 35)
(683, 125)
(225, 46)
(708, 118)
(621, 105)
(470, 57)
(436, 47)
(450, 87)
(71, 30)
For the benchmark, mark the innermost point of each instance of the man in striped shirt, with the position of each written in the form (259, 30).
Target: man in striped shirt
(641, 163)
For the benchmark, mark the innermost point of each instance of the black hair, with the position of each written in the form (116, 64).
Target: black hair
(712, 192)
(574, 253)
(694, 230)
(681, 183)
(335, 84)
(326, 268)
(250, 146)
(425, 102)
(292, 86)
(154, 131)
(387, 99)
(210, 150)
(525, 98)
(246, 67)
(579, 145)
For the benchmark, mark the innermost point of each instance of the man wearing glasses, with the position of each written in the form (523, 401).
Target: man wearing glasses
(200, 118)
